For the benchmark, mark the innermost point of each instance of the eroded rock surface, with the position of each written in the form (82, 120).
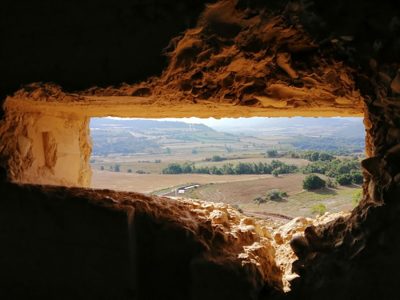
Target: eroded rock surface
(191, 249)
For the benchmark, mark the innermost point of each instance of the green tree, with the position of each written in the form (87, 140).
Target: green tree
(117, 168)
(217, 158)
(344, 179)
(275, 172)
(357, 178)
(313, 182)
(129, 170)
(173, 168)
(272, 153)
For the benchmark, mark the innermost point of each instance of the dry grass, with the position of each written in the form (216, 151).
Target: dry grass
(147, 183)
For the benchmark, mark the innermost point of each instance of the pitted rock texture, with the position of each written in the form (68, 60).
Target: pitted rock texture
(249, 57)
(44, 147)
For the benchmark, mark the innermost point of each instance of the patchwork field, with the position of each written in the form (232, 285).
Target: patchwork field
(163, 157)
(236, 190)
(149, 183)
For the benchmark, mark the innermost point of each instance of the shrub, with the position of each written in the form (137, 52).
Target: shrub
(129, 170)
(140, 172)
(357, 197)
(357, 178)
(331, 183)
(275, 173)
(272, 153)
(344, 179)
(117, 168)
(276, 194)
(217, 158)
(102, 168)
(313, 182)
(319, 209)
(260, 200)
(272, 195)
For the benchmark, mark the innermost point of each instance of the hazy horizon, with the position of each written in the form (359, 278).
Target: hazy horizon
(244, 122)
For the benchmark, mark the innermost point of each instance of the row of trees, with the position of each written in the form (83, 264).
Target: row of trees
(345, 171)
(309, 155)
(276, 167)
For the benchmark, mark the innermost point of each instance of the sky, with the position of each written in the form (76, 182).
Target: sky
(235, 123)
(212, 122)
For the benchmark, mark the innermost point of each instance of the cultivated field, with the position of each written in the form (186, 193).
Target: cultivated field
(131, 156)
(238, 190)
(148, 183)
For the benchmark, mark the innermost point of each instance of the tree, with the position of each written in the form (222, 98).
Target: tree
(272, 153)
(187, 168)
(313, 182)
(325, 156)
(217, 158)
(129, 170)
(275, 173)
(117, 168)
(173, 168)
(344, 179)
(102, 168)
(195, 151)
(357, 178)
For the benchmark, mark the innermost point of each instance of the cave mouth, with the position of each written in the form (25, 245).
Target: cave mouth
(282, 167)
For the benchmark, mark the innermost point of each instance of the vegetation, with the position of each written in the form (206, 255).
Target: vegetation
(318, 209)
(276, 167)
(272, 195)
(340, 145)
(316, 156)
(344, 171)
(313, 182)
(272, 153)
(215, 158)
(154, 147)
(357, 197)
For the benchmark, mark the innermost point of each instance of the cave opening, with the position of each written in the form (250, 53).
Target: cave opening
(265, 167)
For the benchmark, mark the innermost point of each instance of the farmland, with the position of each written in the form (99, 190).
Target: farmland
(133, 155)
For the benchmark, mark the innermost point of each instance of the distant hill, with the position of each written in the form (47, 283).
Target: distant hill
(342, 127)
(132, 136)
(145, 125)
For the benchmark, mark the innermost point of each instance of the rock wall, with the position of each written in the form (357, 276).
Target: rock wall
(45, 148)
(90, 244)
